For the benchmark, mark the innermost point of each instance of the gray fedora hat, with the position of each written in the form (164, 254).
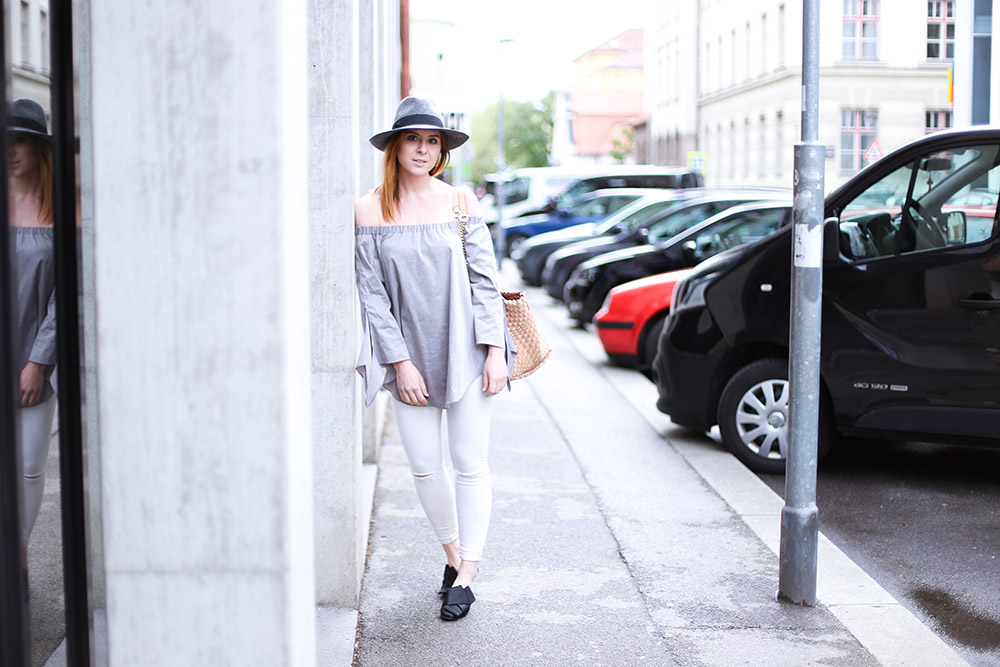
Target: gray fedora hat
(26, 116)
(417, 113)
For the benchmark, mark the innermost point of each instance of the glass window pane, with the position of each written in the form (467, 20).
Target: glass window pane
(933, 31)
(869, 29)
(850, 29)
(933, 50)
(869, 51)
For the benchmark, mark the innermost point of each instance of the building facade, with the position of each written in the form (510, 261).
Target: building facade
(884, 68)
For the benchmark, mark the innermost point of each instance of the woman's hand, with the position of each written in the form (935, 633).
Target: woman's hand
(410, 383)
(494, 372)
(32, 379)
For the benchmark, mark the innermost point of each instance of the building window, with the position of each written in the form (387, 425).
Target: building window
(779, 144)
(746, 49)
(762, 149)
(936, 119)
(732, 58)
(25, 35)
(746, 148)
(45, 41)
(719, 59)
(940, 29)
(781, 35)
(857, 132)
(763, 43)
(732, 150)
(860, 30)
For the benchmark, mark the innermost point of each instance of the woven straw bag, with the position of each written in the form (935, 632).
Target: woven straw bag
(532, 350)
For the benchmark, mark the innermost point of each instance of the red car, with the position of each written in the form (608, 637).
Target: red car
(632, 316)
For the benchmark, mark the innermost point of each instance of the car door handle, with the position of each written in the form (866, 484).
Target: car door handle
(980, 304)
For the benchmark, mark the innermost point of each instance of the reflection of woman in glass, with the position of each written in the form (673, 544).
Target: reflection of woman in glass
(30, 172)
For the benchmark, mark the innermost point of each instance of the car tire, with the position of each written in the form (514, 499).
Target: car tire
(650, 341)
(514, 241)
(753, 416)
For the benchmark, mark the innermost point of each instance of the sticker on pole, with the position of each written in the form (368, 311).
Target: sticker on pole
(808, 246)
(807, 230)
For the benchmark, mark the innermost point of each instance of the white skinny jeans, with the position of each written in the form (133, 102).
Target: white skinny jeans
(463, 511)
(36, 434)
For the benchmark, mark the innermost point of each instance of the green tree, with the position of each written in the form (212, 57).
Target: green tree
(621, 148)
(527, 136)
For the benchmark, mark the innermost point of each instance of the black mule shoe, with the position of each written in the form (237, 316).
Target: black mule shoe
(450, 574)
(457, 602)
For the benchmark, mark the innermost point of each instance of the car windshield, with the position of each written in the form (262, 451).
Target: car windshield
(678, 221)
(736, 230)
(644, 215)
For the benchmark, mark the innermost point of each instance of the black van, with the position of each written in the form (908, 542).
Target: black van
(911, 312)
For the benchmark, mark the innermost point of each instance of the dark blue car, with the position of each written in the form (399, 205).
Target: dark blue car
(591, 207)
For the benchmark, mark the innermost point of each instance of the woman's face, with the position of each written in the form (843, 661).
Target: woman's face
(419, 151)
(21, 156)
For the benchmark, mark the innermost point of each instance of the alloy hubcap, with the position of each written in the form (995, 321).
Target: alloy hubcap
(762, 419)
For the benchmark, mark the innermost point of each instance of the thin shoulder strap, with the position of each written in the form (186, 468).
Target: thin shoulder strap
(458, 207)
(458, 204)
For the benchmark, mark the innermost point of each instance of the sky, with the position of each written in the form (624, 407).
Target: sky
(547, 35)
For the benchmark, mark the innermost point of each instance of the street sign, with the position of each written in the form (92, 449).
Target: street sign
(696, 161)
(873, 152)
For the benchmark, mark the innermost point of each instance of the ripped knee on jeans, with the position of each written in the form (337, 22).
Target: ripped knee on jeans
(471, 477)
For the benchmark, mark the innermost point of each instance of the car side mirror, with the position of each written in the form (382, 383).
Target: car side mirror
(831, 239)
(955, 229)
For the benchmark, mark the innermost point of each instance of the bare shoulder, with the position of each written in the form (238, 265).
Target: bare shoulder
(368, 210)
(471, 202)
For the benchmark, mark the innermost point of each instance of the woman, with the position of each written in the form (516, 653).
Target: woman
(434, 332)
(30, 172)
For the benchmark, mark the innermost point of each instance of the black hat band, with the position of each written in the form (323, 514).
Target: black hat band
(23, 122)
(418, 119)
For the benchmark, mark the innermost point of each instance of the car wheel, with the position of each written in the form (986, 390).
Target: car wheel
(753, 416)
(651, 341)
(514, 242)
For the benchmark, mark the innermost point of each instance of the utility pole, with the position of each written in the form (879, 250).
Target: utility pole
(799, 516)
(500, 234)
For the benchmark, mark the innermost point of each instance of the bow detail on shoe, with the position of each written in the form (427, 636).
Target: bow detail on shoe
(457, 602)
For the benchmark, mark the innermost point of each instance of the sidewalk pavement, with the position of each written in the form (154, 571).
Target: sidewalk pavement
(616, 539)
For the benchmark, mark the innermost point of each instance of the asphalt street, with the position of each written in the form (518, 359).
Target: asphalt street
(924, 521)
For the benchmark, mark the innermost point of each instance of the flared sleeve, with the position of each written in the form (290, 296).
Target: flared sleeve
(490, 317)
(382, 341)
(43, 351)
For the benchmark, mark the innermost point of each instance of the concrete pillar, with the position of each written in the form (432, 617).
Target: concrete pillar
(201, 256)
(368, 42)
(334, 85)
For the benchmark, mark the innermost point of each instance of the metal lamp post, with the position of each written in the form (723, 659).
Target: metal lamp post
(500, 235)
(797, 566)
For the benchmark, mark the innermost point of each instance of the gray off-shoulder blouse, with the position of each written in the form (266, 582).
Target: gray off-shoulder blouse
(35, 325)
(421, 301)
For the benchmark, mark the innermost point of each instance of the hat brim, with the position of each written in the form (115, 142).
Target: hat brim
(25, 130)
(453, 138)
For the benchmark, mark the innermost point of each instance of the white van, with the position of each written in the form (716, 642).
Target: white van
(529, 190)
